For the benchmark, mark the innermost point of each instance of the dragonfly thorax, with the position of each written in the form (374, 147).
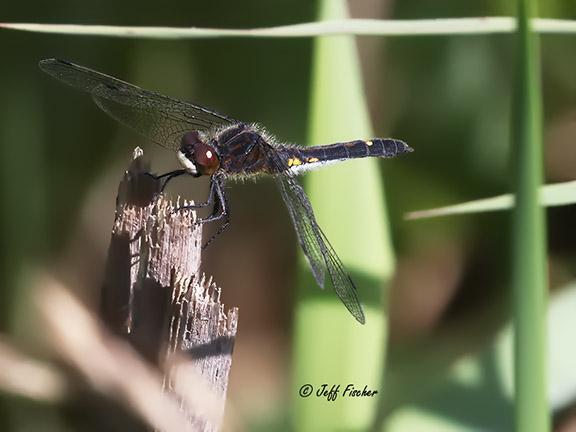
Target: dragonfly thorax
(197, 156)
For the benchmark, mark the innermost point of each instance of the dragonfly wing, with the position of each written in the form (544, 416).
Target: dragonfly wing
(161, 128)
(307, 235)
(318, 250)
(316, 247)
(160, 118)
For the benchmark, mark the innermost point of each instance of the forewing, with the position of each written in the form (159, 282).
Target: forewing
(160, 118)
(316, 247)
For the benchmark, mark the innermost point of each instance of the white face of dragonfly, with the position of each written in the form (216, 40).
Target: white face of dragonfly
(187, 163)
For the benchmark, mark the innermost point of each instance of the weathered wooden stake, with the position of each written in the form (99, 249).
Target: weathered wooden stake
(153, 294)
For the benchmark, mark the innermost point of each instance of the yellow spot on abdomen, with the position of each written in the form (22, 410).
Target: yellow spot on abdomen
(312, 160)
(294, 162)
(369, 143)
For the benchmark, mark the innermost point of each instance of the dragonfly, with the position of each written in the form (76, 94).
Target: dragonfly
(211, 144)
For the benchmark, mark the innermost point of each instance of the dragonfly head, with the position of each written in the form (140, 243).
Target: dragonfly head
(197, 156)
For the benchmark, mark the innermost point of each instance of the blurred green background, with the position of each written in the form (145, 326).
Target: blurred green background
(448, 97)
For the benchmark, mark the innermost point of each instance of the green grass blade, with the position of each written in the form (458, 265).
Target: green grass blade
(437, 26)
(330, 346)
(529, 239)
(552, 195)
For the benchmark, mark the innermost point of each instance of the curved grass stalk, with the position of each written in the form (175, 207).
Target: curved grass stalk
(366, 27)
(552, 195)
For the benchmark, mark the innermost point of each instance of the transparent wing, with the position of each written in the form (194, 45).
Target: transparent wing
(317, 249)
(159, 118)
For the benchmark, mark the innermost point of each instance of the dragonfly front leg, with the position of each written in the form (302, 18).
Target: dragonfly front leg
(219, 210)
(167, 177)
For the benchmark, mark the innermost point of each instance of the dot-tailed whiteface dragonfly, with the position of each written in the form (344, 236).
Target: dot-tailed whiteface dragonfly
(214, 145)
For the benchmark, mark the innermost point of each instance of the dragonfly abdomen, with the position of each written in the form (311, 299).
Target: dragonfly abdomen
(303, 158)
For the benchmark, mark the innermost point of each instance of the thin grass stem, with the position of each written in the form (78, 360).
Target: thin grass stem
(529, 239)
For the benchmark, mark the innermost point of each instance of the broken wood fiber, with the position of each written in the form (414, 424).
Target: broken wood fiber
(153, 293)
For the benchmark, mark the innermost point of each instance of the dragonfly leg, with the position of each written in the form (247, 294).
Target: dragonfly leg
(206, 203)
(220, 230)
(167, 177)
(219, 210)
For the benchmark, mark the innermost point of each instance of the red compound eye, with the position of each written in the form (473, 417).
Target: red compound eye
(206, 158)
(203, 155)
